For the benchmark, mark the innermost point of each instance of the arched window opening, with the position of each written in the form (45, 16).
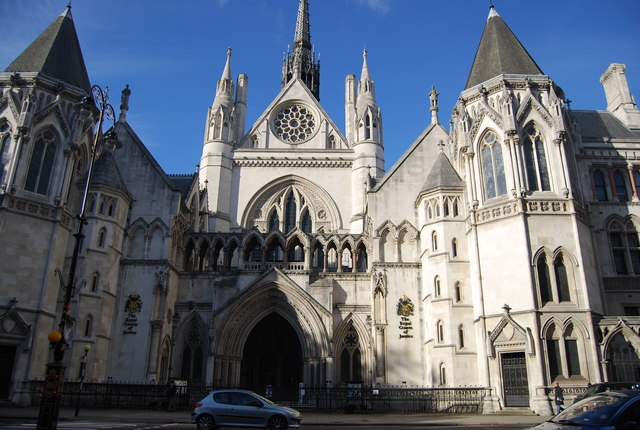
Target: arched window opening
(110, 211)
(347, 260)
(600, 186)
(192, 355)
(290, 214)
(436, 286)
(621, 186)
(572, 352)
(274, 221)
(318, 257)
(332, 259)
(361, 259)
(493, 166)
(625, 248)
(41, 163)
(535, 161)
(188, 256)
(5, 143)
(296, 251)
(367, 128)
(203, 257)
(102, 237)
(454, 247)
(440, 331)
(305, 223)
(455, 207)
(95, 281)
(253, 251)
(562, 281)
(274, 252)
(458, 292)
(554, 356)
(461, 342)
(544, 281)
(351, 358)
(88, 323)
(101, 208)
(434, 241)
(445, 208)
(443, 374)
(437, 210)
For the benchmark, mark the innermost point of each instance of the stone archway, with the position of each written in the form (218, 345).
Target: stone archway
(623, 360)
(272, 356)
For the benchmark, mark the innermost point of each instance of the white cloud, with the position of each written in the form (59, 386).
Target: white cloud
(381, 6)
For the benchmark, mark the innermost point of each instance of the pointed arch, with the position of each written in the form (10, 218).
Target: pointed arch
(492, 165)
(352, 359)
(193, 348)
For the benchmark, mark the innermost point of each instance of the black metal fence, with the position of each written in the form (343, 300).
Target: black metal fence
(353, 399)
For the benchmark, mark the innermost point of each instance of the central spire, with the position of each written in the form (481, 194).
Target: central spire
(300, 61)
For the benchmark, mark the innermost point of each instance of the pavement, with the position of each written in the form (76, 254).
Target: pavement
(30, 414)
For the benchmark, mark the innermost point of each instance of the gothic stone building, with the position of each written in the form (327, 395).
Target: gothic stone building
(502, 253)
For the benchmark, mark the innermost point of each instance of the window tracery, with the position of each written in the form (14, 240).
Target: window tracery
(492, 166)
(535, 160)
(42, 162)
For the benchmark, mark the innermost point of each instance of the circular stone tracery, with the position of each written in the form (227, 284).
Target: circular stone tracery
(294, 123)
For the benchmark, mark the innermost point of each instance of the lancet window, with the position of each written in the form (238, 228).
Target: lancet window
(535, 160)
(42, 162)
(492, 166)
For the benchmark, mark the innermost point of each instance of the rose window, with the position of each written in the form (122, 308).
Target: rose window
(294, 124)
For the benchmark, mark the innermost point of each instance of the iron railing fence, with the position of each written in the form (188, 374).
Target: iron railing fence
(353, 399)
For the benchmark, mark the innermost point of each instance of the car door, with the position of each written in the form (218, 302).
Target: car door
(247, 410)
(222, 408)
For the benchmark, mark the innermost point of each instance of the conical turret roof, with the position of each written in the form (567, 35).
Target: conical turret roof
(56, 53)
(500, 52)
(442, 175)
(105, 172)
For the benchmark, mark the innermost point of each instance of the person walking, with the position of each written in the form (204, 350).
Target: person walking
(559, 397)
(171, 397)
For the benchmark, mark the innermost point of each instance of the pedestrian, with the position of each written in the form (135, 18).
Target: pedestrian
(171, 397)
(559, 397)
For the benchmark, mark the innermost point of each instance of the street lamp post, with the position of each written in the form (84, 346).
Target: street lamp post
(61, 338)
(83, 367)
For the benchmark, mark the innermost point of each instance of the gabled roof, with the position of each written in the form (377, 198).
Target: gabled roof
(56, 53)
(602, 125)
(499, 52)
(182, 183)
(442, 175)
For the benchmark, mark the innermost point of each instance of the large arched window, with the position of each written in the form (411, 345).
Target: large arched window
(41, 163)
(535, 160)
(554, 283)
(5, 143)
(290, 214)
(492, 166)
(305, 223)
(564, 353)
(274, 221)
(351, 358)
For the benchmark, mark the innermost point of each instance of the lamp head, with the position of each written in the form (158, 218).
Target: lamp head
(87, 348)
(54, 337)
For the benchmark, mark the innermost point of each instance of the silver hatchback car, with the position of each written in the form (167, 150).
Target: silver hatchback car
(240, 408)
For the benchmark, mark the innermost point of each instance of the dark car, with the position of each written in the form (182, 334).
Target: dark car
(618, 410)
(602, 387)
(240, 408)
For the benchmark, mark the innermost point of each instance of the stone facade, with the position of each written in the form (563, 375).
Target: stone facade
(501, 253)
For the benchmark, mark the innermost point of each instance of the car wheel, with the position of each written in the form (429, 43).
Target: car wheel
(277, 422)
(205, 422)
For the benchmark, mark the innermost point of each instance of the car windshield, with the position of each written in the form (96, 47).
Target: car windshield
(591, 412)
(264, 399)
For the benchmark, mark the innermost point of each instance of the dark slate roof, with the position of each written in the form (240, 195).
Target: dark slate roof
(602, 125)
(105, 172)
(442, 174)
(182, 183)
(56, 53)
(500, 52)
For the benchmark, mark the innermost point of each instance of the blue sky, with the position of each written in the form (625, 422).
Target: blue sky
(172, 54)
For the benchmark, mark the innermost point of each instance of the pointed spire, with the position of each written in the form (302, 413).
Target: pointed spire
(365, 67)
(442, 173)
(226, 73)
(224, 89)
(300, 60)
(366, 87)
(499, 52)
(56, 53)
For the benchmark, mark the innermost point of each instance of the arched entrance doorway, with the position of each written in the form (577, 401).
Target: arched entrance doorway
(624, 363)
(272, 355)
